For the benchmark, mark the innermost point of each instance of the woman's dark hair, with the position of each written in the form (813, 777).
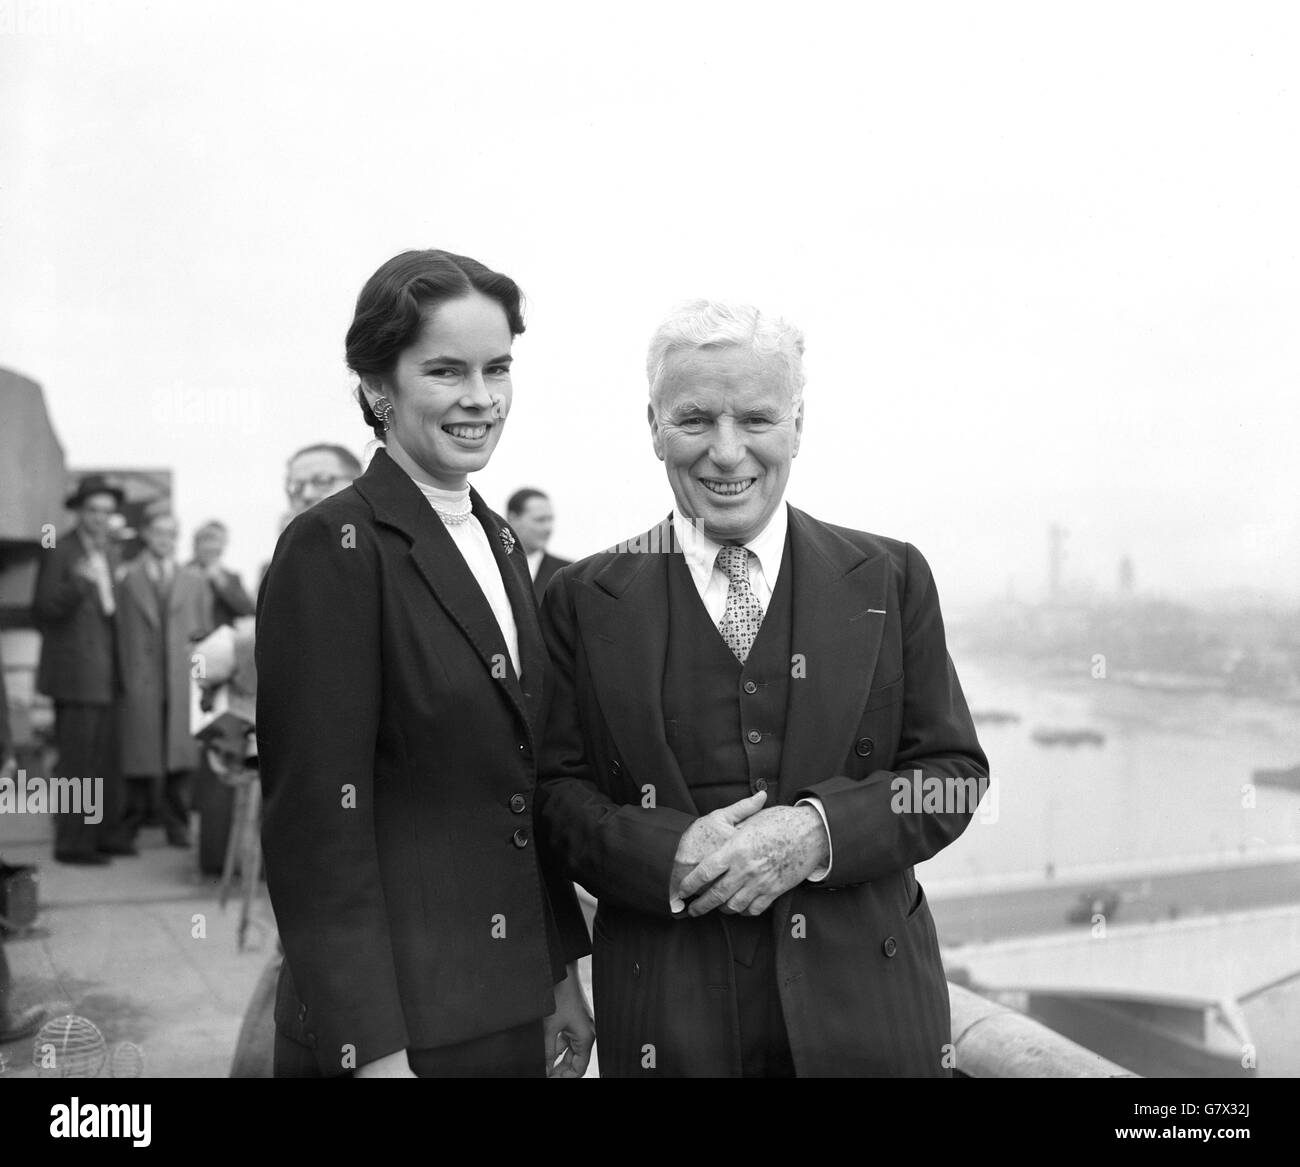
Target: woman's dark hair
(391, 308)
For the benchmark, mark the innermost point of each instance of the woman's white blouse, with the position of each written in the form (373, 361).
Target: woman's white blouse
(473, 543)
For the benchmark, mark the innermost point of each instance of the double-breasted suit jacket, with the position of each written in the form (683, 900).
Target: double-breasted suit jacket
(873, 696)
(398, 758)
(156, 636)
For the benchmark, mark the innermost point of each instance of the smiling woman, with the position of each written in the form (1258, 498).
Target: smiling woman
(431, 344)
(401, 673)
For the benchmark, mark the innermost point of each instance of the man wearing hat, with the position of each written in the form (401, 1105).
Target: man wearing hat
(73, 608)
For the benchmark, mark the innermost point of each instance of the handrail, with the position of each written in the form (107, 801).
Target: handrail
(993, 1041)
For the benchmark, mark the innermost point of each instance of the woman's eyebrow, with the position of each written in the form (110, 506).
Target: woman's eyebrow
(505, 359)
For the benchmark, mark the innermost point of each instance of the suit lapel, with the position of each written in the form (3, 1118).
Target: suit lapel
(398, 503)
(513, 566)
(623, 614)
(841, 596)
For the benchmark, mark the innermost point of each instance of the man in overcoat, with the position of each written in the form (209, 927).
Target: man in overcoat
(164, 609)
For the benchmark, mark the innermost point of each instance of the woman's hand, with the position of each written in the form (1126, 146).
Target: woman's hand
(391, 1066)
(570, 1030)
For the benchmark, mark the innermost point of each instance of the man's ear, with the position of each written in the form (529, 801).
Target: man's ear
(798, 427)
(656, 438)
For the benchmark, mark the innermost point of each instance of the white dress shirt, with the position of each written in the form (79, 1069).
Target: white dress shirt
(472, 541)
(535, 561)
(768, 546)
(711, 582)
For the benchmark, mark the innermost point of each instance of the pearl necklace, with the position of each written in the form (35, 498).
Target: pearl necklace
(443, 502)
(452, 518)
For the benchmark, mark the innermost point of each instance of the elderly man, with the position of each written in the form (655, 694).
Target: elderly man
(739, 693)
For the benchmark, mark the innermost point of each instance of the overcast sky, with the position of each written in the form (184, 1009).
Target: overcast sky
(1045, 256)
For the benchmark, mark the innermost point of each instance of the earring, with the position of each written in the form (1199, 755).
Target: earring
(383, 410)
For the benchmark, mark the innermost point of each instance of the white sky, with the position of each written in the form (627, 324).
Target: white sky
(1045, 256)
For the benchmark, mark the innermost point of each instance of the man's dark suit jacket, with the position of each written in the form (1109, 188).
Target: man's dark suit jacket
(397, 756)
(77, 640)
(873, 694)
(549, 565)
(229, 599)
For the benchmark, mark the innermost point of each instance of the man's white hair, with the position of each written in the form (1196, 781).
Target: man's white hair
(718, 323)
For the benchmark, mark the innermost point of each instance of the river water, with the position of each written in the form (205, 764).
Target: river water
(1170, 787)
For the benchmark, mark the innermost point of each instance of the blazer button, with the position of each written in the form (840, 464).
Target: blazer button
(754, 736)
(864, 747)
(890, 946)
(302, 1012)
(750, 687)
(616, 767)
(760, 784)
(520, 838)
(636, 968)
(518, 804)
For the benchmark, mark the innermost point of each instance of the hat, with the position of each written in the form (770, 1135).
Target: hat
(93, 484)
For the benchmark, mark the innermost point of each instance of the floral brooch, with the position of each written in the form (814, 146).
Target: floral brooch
(507, 539)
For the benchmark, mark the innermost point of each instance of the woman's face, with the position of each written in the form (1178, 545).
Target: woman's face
(450, 391)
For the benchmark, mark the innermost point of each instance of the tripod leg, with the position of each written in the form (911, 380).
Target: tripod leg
(234, 842)
(251, 866)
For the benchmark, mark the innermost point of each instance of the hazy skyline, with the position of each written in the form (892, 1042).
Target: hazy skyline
(1046, 262)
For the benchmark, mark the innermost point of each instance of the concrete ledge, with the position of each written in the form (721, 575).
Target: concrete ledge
(993, 1041)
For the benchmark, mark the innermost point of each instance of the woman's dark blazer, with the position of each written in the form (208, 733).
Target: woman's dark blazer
(398, 764)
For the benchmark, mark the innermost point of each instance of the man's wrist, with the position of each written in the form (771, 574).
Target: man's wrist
(826, 852)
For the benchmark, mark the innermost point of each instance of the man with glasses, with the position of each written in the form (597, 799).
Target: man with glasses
(316, 472)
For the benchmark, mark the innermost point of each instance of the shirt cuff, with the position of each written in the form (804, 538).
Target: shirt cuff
(822, 872)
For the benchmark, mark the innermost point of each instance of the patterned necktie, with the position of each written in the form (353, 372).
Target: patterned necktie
(744, 614)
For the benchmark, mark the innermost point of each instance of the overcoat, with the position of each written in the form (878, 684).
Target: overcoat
(156, 638)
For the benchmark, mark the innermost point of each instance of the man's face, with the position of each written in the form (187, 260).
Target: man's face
(726, 430)
(160, 537)
(533, 524)
(95, 517)
(314, 476)
(209, 547)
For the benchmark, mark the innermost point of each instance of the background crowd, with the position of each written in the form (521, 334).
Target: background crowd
(121, 614)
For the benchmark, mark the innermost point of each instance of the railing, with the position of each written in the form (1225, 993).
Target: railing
(992, 1041)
